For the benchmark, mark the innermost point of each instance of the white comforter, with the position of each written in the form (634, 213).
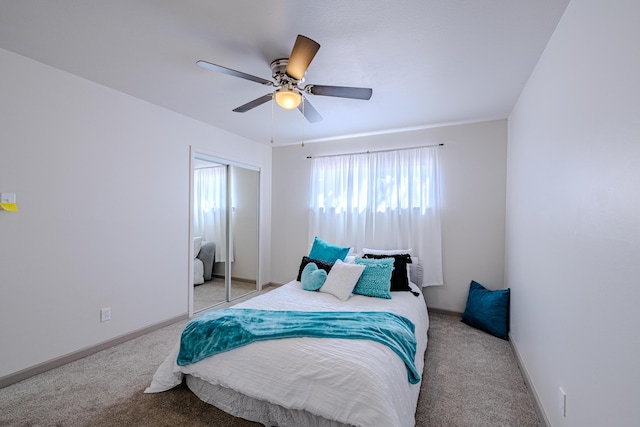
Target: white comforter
(357, 382)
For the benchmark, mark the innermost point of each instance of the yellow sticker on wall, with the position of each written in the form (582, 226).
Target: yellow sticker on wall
(11, 207)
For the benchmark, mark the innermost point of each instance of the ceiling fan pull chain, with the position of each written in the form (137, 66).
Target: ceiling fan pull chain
(272, 112)
(303, 116)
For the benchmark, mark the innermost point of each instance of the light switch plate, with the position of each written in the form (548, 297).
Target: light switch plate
(7, 197)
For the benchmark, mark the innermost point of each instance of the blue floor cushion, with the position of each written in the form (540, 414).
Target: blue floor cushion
(488, 310)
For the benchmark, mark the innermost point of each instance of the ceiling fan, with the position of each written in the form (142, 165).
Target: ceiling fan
(288, 74)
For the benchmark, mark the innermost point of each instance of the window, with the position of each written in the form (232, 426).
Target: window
(383, 200)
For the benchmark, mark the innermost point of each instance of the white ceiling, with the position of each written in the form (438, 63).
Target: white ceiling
(429, 62)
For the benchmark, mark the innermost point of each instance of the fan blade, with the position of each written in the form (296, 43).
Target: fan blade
(309, 112)
(253, 104)
(340, 91)
(234, 73)
(301, 56)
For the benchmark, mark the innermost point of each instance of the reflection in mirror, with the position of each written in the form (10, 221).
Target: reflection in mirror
(225, 239)
(209, 233)
(244, 186)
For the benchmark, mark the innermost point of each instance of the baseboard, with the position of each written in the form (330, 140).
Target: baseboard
(270, 285)
(234, 279)
(542, 417)
(443, 311)
(76, 355)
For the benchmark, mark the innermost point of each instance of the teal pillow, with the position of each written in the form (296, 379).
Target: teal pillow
(488, 310)
(327, 252)
(375, 280)
(399, 277)
(312, 278)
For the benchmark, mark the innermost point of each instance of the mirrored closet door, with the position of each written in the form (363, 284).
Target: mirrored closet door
(225, 231)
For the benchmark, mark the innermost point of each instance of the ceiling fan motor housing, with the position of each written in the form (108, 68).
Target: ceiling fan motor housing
(278, 71)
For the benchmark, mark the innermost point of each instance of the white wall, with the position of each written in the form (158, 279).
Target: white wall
(573, 209)
(473, 163)
(102, 184)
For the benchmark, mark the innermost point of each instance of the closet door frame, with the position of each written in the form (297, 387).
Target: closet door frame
(198, 154)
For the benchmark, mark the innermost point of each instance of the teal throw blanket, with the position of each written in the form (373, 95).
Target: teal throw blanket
(230, 328)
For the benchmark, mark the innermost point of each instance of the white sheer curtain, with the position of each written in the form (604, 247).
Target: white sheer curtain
(383, 200)
(210, 207)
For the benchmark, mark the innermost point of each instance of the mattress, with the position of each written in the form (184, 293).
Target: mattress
(325, 381)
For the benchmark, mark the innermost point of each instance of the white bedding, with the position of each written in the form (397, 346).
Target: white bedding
(357, 382)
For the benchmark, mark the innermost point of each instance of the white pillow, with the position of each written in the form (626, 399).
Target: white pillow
(342, 279)
(416, 271)
(197, 244)
(386, 251)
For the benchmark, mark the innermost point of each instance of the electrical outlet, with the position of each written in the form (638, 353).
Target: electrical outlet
(562, 403)
(105, 314)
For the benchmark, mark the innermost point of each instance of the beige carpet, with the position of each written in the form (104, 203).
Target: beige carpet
(470, 379)
(212, 292)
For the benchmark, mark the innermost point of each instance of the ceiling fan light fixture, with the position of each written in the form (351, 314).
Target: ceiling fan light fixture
(288, 99)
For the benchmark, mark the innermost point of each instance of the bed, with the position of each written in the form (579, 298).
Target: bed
(311, 381)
